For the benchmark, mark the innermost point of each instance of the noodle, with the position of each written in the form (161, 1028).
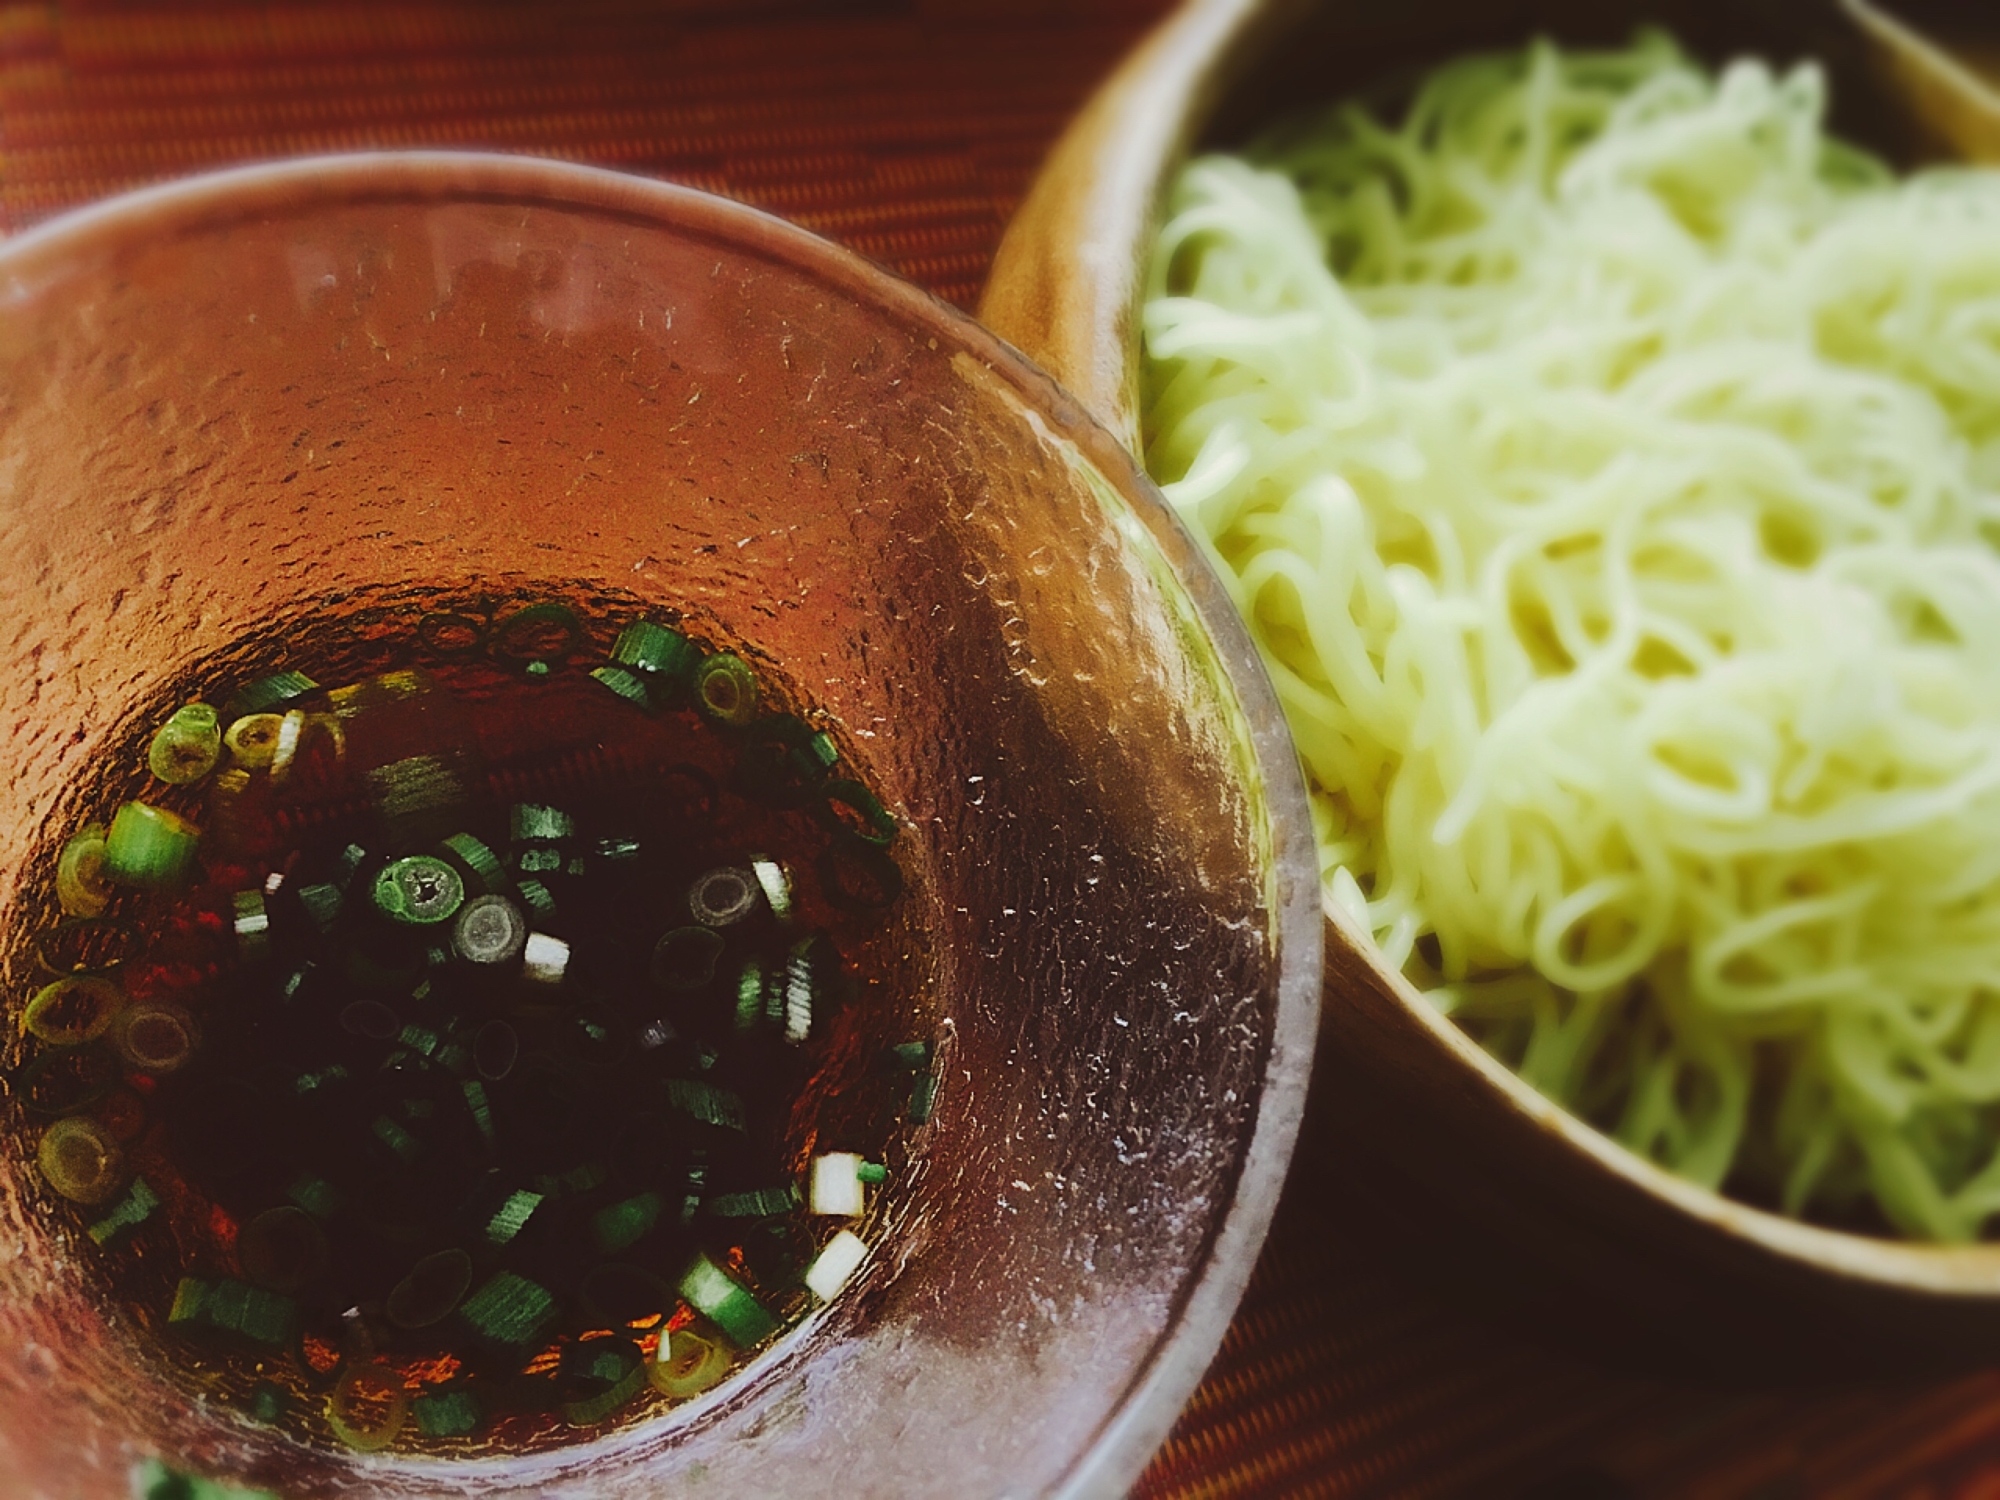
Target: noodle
(1608, 465)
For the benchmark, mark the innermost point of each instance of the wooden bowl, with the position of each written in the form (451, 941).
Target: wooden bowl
(1438, 1129)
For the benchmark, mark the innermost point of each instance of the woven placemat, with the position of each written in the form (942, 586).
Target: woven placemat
(909, 129)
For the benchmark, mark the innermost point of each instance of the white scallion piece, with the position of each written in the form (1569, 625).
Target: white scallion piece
(777, 886)
(835, 1266)
(291, 729)
(836, 1185)
(544, 959)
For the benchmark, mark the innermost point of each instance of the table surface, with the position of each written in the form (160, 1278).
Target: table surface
(909, 129)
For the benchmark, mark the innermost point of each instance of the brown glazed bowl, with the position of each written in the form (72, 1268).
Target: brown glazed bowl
(1442, 1137)
(240, 403)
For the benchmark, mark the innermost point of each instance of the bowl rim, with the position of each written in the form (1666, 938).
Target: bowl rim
(1162, 1379)
(1102, 187)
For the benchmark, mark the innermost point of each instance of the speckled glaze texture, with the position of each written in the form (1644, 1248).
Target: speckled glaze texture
(235, 403)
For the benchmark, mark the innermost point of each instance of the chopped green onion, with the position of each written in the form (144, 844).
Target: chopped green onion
(187, 746)
(585, 1176)
(871, 821)
(190, 1297)
(253, 740)
(706, 1102)
(306, 1083)
(64, 1080)
(688, 1362)
(592, 1409)
(627, 685)
(923, 1098)
(495, 1050)
(479, 861)
(291, 731)
(538, 632)
(252, 925)
(427, 1295)
(910, 1057)
(153, 1480)
(368, 1407)
(322, 904)
(726, 689)
(149, 846)
(490, 931)
(315, 1195)
(776, 885)
(512, 1216)
(454, 637)
(819, 752)
(624, 1224)
(538, 859)
(397, 1139)
(758, 1203)
(872, 1172)
(723, 896)
(544, 959)
(509, 1309)
(482, 1112)
(232, 1306)
(266, 693)
(835, 1266)
(750, 994)
(406, 789)
(533, 823)
(725, 1302)
(351, 859)
(155, 1036)
(836, 1185)
(801, 985)
(536, 898)
(655, 649)
(129, 1213)
(82, 887)
(98, 944)
(452, 1413)
(81, 1159)
(73, 1011)
(419, 890)
(685, 958)
(269, 1403)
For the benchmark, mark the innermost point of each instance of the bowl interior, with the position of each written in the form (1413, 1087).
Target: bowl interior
(242, 404)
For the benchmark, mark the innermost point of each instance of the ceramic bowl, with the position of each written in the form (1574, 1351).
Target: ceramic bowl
(1450, 1134)
(235, 406)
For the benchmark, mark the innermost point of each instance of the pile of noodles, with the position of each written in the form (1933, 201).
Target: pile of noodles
(1608, 464)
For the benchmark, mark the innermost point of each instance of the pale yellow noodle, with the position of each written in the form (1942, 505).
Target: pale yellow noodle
(1608, 464)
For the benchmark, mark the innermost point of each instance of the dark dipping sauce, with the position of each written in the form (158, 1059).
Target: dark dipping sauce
(490, 1034)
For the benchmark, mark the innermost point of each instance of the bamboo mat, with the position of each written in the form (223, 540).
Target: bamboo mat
(909, 129)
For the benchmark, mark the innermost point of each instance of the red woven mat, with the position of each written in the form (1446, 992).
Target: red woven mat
(909, 129)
